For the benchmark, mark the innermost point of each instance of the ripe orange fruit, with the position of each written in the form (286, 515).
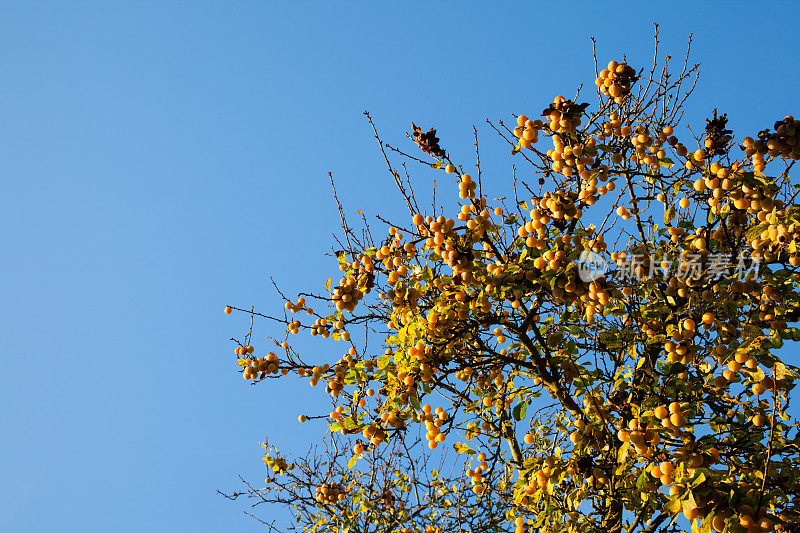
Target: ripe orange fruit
(677, 419)
(228, 310)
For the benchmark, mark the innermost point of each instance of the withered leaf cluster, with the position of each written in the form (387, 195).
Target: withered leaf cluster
(717, 135)
(429, 142)
(567, 109)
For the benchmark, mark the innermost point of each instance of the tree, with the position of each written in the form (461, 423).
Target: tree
(564, 361)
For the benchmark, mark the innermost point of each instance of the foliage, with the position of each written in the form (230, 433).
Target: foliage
(506, 387)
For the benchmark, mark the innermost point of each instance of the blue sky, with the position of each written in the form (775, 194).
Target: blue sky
(162, 159)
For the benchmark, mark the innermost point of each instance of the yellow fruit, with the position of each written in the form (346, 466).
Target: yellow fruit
(677, 419)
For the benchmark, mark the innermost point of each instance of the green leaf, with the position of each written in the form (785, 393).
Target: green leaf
(414, 401)
(352, 462)
(666, 162)
(757, 375)
(780, 371)
(669, 215)
(349, 423)
(641, 481)
(775, 339)
(755, 231)
(437, 165)
(519, 410)
(384, 360)
(698, 480)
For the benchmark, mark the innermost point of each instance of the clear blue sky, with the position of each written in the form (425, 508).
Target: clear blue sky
(160, 159)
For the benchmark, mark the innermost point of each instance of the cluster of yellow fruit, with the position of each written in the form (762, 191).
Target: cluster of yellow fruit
(564, 115)
(583, 432)
(404, 296)
(359, 447)
(616, 80)
(672, 416)
(347, 294)
(591, 189)
(527, 131)
(648, 149)
(737, 362)
(479, 480)
(321, 327)
(277, 464)
(558, 205)
(779, 239)
(681, 347)
(553, 259)
(437, 230)
(754, 521)
(422, 355)
(394, 257)
(538, 478)
(663, 472)
(612, 128)
(785, 142)
(519, 524)
(244, 350)
(298, 306)
(336, 383)
(433, 421)
(480, 223)
(294, 327)
(330, 493)
(393, 419)
(569, 156)
(264, 365)
(375, 434)
(466, 187)
(640, 436)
